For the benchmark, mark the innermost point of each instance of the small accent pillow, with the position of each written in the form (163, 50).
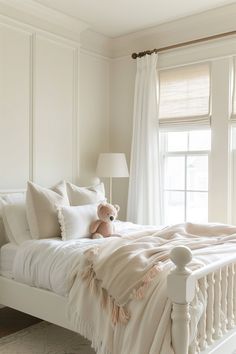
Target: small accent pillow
(76, 220)
(85, 195)
(41, 209)
(15, 222)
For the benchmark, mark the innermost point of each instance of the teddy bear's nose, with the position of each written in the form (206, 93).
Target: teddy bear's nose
(111, 218)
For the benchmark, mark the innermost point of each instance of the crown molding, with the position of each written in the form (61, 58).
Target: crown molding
(36, 15)
(96, 43)
(43, 17)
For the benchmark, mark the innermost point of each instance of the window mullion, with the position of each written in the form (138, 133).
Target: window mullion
(182, 153)
(188, 190)
(185, 185)
(219, 158)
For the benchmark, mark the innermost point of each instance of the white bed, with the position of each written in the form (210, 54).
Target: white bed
(217, 281)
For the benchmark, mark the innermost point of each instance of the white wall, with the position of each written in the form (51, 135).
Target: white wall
(94, 104)
(54, 106)
(14, 107)
(122, 96)
(54, 113)
(38, 101)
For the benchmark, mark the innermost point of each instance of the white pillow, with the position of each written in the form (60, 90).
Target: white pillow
(76, 220)
(85, 195)
(15, 222)
(41, 209)
(11, 198)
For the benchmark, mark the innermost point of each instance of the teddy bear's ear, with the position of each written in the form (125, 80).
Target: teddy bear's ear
(101, 205)
(117, 207)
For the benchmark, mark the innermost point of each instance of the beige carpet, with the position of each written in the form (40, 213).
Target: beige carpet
(45, 338)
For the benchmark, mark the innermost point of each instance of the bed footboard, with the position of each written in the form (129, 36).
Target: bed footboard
(217, 283)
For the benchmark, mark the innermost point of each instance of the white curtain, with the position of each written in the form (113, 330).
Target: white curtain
(144, 199)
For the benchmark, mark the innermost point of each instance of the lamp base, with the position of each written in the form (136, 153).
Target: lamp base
(110, 191)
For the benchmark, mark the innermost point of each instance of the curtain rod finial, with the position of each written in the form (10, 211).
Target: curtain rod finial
(134, 55)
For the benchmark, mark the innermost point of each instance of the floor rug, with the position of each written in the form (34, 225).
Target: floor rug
(45, 338)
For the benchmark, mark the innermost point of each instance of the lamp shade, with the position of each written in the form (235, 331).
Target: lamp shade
(112, 165)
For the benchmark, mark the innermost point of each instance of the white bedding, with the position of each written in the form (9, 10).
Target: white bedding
(7, 256)
(52, 263)
(55, 265)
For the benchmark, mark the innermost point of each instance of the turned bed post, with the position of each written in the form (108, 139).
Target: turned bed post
(181, 291)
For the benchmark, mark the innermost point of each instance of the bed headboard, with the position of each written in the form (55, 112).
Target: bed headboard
(3, 194)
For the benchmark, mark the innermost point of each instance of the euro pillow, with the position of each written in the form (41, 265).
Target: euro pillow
(85, 195)
(76, 220)
(15, 222)
(41, 209)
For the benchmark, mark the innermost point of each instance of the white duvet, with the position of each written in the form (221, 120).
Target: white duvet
(51, 263)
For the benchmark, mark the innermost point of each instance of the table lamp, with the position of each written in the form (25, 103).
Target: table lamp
(112, 165)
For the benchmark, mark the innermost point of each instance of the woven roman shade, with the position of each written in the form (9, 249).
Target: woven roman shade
(185, 96)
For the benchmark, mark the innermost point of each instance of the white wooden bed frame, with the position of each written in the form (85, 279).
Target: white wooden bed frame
(216, 332)
(217, 281)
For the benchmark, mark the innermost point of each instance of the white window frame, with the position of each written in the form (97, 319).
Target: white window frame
(233, 175)
(233, 113)
(219, 165)
(232, 158)
(184, 153)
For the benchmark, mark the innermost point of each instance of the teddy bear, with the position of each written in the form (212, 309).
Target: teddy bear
(104, 227)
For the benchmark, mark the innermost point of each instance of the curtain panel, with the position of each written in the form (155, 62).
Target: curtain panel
(144, 198)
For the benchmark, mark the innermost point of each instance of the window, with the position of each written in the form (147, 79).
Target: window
(185, 140)
(184, 157)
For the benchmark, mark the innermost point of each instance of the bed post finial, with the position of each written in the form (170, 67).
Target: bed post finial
(181, 256)
(181, 290)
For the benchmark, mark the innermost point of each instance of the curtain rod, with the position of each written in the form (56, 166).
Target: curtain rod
(183, 44)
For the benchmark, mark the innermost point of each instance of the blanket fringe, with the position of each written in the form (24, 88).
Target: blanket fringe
(139, 292)
(91, 253)
(119, 313)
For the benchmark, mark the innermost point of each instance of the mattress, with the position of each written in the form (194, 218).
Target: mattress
(7, 256)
